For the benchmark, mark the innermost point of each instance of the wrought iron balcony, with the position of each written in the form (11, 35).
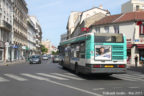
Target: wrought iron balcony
(5, 25)
(0, 11)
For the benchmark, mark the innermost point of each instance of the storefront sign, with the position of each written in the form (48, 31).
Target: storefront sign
(15, 46)
(24, 47)
(136, 40)
(85, 29)
(27, 48)
(139, 22)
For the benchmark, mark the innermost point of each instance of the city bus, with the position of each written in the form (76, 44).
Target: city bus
(95, 53)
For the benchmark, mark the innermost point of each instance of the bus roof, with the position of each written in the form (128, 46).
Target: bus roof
(83, 37)
(76, 39)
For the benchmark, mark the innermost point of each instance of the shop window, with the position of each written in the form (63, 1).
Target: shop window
(141, 30)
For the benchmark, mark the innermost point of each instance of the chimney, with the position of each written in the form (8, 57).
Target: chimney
(101, 6)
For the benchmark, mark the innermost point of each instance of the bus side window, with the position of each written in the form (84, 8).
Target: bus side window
(61, 50)
(74, 51)
(82, 50)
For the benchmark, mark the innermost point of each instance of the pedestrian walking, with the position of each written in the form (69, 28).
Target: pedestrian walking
(136, 60)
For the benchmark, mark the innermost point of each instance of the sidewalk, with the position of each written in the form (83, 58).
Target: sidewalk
(14, 62)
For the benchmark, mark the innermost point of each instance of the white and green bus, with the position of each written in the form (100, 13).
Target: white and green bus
(93, 53)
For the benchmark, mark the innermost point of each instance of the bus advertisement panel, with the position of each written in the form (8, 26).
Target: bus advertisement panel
(103, 52)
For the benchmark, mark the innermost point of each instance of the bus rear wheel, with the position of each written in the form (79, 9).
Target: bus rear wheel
(77, 70)
(62, 64)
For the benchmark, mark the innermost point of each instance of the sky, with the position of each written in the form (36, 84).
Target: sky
(53, 14)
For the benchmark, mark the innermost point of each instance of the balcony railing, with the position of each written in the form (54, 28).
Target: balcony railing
(5, 25)
(0, 11)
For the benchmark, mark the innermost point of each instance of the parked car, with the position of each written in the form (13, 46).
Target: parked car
(49, 56)
(45, 57)
(56, 59)
(35, 59)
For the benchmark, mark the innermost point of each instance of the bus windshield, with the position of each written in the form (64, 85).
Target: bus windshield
(108, 38)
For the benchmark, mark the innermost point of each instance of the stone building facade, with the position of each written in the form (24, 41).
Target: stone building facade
(132, 26)
(6, 22)
(20, 12)
(133, 5)
(31, 37)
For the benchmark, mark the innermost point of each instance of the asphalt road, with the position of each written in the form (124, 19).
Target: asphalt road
(49, 79)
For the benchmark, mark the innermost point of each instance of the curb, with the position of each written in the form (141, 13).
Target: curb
(13, 63)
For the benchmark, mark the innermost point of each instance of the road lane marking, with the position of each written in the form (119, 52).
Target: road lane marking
(70, 74)
(75, 88)
(52, 76)
(3, 79)
(33, 76)
(61, 84)
(98, 89)
(15, 77)
(71, 77)
(134, 87)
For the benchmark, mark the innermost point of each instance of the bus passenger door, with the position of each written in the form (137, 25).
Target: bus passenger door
(67, 58)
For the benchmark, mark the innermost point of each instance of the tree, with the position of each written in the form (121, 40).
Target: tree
(55, 53)
(43, 49)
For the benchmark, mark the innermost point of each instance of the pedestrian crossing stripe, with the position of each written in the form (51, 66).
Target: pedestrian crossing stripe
(124, 78)
(134, 77)
(52, 76)
(139, 75)
(34, 76)
(129, 77)
(18, 78)
(67, 76)
(64, 76)
(3, 79)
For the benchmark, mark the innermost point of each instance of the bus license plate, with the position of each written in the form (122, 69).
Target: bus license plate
(109, 66)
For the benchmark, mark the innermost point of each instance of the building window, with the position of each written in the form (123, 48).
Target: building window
(137, 8)
(143, 7)
(97, 29)
(106, 29)
(141, 30)
(82, 50)
(116, 29)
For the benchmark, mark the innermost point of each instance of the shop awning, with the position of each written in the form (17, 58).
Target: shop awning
(129, 46)
(140, 46)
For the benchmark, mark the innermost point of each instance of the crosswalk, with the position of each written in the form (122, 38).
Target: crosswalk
(52, 76)
(22, 77)
(132, 77)
(18, 78)
(3, 79)
(71, 77)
